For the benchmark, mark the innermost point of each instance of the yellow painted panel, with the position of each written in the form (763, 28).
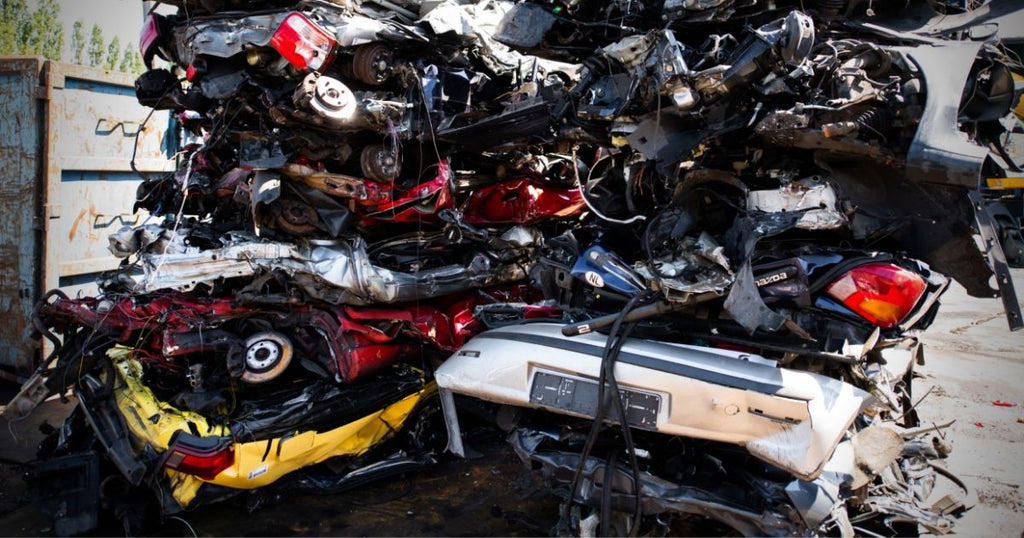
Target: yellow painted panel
(1005, 182)
(255, 466)
(153, 422)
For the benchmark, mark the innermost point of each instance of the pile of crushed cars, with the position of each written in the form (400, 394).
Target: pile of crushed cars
(678, 250)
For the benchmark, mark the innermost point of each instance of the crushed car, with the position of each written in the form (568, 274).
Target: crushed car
(678, 251)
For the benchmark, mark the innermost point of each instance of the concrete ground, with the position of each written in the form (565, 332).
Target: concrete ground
(974, 368)
(974, 375)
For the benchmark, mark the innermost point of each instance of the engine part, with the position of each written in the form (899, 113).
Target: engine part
(815, 201)
(295, 217)
(330, 98)
(799, 39)
(373, 63)
(267, 355)
(380, 163)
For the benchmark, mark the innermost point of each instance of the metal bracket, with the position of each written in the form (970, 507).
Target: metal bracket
(110, 428)
(997, 260)
(451, 421)
(126, 219)
(105, 126)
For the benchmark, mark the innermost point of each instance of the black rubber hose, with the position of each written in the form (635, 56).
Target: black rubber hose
(608, 371)
(612, 347)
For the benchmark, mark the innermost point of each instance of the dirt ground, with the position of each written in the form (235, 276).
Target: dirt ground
(975, 367)
(488, 496)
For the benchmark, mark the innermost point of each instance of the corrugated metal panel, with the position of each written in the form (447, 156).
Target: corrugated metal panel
(21, 115)
(77, 129)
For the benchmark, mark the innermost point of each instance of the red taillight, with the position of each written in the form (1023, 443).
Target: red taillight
(195, 70)
(883, 293)
(204, 457)
(304, 44)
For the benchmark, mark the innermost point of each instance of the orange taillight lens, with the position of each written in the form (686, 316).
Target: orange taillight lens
(883, 293)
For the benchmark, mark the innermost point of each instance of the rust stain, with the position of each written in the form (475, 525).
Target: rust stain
(93, 215)
(74, 225)
(10, 257)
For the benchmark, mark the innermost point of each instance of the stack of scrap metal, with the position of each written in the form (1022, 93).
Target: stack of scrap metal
(679, 249)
